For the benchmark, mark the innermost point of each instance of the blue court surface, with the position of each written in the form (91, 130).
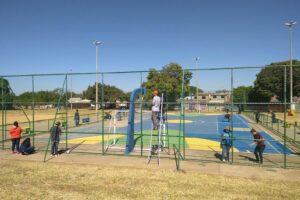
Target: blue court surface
(210, 127)
(203, 132)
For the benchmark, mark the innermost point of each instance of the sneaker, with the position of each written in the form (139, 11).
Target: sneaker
(56, 155)
(223, 160)
(13, 152)
(52, 155)
(18, 152)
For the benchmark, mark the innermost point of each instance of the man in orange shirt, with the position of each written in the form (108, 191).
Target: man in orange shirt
(15, 133)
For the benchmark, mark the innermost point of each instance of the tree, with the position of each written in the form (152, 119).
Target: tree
(6, 93)
(111, 94)
(270, 82)
(193, 90)
(169, 79)
(45, 96)
(241, 94)
(25, 97)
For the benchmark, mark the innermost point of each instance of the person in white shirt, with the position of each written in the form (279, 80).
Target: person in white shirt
(155, 109)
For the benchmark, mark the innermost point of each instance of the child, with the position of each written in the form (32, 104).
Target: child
(26, 147)
(225, 143)
(15, 133)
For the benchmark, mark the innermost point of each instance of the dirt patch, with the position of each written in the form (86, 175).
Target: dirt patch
(224, 169)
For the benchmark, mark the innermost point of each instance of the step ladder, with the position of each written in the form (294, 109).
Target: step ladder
(162, 141)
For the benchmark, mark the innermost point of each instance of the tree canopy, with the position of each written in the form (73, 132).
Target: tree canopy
(45, 96)
(193, 90)
(111, 93)
(241, 94)
(7, 94)
(270, 82)
(169, 79)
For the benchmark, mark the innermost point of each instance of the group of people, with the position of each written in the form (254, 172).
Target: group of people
(226, 143)
(273, 116)
(15, 133)
(26, 147)
(158, 108)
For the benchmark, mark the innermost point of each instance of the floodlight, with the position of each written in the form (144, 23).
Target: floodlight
(97, 43)
(291, 23)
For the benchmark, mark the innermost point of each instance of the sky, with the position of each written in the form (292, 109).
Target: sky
(55, 36)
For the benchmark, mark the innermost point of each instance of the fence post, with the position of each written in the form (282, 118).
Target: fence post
(284, 117)
(295, 127)
(33, 110)
(141, 78)
(180, 125)
(66, 110)
(2, 115)
(102, 102)
(232, 154)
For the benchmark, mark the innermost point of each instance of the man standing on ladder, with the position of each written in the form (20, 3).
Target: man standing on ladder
(155, 109)
(163, 106)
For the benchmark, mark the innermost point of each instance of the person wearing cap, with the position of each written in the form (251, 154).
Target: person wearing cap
(155, 109)
(55, 132)
(15, 134)
(225, 143)
(260, 147)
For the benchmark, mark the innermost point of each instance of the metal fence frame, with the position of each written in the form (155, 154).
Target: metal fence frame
(181, 132)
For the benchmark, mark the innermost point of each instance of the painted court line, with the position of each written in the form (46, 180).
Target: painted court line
(91, 140)
(176, 121)
(263, 129)
(273, 147)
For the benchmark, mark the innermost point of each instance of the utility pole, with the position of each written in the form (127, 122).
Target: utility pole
(96, 43)
(290, 24)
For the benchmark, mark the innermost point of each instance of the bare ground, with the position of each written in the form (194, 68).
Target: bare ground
(212, 168)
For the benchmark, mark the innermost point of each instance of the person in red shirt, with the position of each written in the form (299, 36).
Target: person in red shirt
(15, 134)
(260, 147)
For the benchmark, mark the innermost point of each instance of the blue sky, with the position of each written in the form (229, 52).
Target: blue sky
(56, 36)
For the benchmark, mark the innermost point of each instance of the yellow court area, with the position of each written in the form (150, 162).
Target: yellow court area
(176, 121)
(203, 144)
(208, 114)
(91, 140)
(213, 114)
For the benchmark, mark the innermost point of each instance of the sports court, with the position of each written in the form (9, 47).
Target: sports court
(202, 132)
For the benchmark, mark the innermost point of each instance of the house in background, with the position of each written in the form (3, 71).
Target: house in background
(79, 103)
(207, 101)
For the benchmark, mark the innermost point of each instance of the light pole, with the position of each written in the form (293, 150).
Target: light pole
(71, 91)
(196, 59)
(290, 24)
(97, 43)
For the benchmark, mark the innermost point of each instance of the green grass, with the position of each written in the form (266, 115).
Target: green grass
(190, 114)
(173, 138)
